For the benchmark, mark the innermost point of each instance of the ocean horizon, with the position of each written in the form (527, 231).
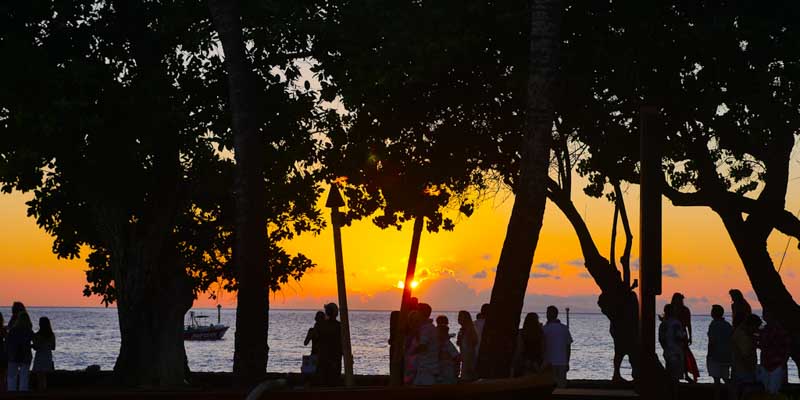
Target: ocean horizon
(90, 336)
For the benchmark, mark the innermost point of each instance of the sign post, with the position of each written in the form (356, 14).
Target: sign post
(335, 201)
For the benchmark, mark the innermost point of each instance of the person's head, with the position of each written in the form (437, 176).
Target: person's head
(736, 295)
(331, 311)
(484, 311)
(717, 312)
(552, 313)
(442, 321)
(669, 311)
(425, 310)
(17, 308)
(319, 316)
(752, 323)
(23, 321)
(45, 328)
(413, 303)
(677, 299)
(464, 318)
(531, 321)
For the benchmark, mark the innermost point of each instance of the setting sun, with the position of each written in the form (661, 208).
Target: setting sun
(402, 285)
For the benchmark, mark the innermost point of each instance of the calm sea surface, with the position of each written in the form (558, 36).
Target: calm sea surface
(89, 336)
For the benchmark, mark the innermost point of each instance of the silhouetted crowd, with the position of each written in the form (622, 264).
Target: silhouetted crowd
(17, 342)
(732, 347)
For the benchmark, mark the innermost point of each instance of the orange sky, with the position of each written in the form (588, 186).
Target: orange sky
(455, 268)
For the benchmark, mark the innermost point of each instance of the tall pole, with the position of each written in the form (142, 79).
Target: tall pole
(651, 177)
(398, 344)
(335, 201)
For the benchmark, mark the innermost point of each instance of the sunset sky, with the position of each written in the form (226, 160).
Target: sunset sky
(455, 269)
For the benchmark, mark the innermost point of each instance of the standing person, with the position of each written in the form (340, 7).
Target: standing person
(672, 337)
(16, 309)
(684, 316)
(740, 308)
(411, 344)
(530, 346)
(427, 349)
(329, 361)
(448, 355)
(311, 362)
(3, 355)
(44, 342)
(312, 335)
(480, 321)
(719, 346)
(744, 353)
(467, 341)
(775, 344)
(18, 345)
(557, 346)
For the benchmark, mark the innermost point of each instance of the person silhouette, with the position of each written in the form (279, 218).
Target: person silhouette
(16, 309)
(44, 342)
(329, 362)
(427, 349)
(467, 341)
(557, 346)
(740, 308)
(684, 316)
(672, 337)
(720, 332)
(18, 345)
(529, 355)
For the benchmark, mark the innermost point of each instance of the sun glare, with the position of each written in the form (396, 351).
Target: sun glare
(402, 285)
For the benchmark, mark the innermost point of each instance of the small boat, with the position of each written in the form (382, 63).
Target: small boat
(198, 331)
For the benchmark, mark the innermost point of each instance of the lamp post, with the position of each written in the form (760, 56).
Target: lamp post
(651, 176)
(335, 201)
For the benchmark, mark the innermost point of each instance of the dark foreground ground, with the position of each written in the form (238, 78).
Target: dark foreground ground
(218, 385)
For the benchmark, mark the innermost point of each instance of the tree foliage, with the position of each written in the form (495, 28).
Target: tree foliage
(114, 116)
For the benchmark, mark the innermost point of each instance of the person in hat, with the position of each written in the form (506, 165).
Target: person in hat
(329, 335)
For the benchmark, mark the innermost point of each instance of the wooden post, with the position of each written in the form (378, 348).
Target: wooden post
(335, 201)
(651, 177)
(567, 317)
(398, 354)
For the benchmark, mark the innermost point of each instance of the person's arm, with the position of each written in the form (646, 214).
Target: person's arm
(309, 335)
(689, 324)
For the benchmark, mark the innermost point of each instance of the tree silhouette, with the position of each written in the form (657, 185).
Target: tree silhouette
(116, 122)
(725, 77)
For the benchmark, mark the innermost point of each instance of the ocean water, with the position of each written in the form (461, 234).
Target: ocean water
(87, 336)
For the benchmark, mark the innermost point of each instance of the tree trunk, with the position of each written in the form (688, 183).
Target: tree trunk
(766, 281)
(617, 301)
(250, 249)
(154, 294)
(522, 234)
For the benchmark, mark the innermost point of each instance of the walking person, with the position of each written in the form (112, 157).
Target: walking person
(684, 316)
(427, 349)
(744, 354)
(529, 355)
(448, 354)
(672, 337)
(18, 345)
(467, 340)
(309, 365)
(720, 333)
(44, 342)
(557, 346)
(740, 308)
(775, 344)
(329, 336)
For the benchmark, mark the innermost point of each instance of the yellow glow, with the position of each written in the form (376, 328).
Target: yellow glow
(402, 285)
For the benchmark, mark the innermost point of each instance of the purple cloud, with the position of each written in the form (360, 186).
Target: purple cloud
(480, 275)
